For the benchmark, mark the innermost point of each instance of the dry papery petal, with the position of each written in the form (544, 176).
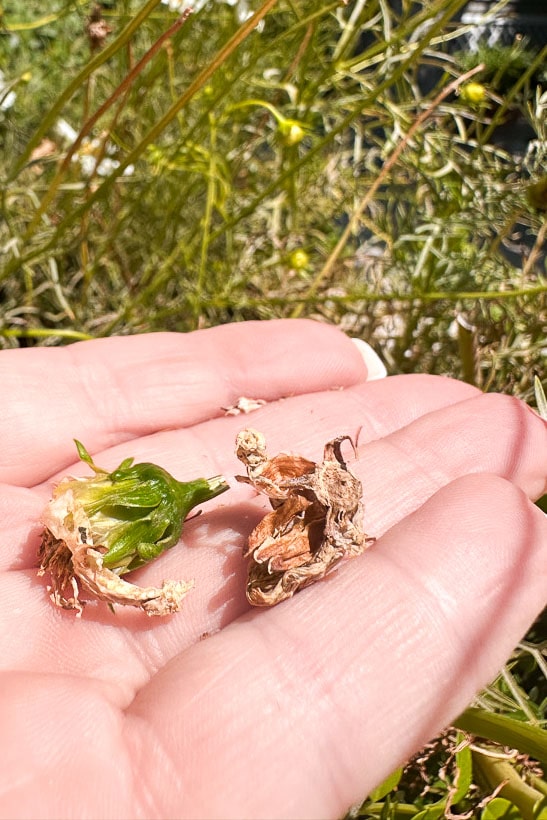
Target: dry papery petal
(315, 521)
(244, 405)
(68, 555)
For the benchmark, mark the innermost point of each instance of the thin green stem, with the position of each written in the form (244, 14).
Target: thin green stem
(506, 731)
(41, 21)
(159, 126)
(120, 92)
(356, 296)
(512, 94)
(45, 333)
(501, 776)
(100, 58)
(353, 223)
(207, 217)
(355, 112)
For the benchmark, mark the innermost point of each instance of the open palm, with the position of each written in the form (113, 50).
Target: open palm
(226, 711)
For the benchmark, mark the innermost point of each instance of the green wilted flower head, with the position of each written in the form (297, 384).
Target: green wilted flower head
(100, 527)
(137, 511)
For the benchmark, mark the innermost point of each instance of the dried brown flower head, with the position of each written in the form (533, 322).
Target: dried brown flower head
(315, 522)
(97, 29)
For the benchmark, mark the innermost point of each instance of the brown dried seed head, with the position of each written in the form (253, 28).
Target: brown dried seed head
(251, 448)
(97, 28)
(315, 523)
(268, 475)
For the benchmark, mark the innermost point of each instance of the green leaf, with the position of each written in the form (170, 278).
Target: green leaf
(528, 739)
(501, 775)
(387, 812)
(387, 786)
(125, 465)
(500, 809)
(85, 457)
(432, 812)
(464, 770)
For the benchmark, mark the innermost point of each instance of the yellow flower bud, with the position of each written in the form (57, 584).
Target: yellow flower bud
(299, 259)
(291, 132)
(473, 93)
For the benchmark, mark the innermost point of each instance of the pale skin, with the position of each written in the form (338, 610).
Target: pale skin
(226, 711)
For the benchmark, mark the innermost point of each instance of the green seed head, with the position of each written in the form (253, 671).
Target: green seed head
(137, 510)
(100, 527)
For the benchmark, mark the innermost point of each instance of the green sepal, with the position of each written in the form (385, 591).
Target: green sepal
(137, 511)
(85, 457)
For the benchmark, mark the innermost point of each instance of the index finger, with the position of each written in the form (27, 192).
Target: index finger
(107, 391)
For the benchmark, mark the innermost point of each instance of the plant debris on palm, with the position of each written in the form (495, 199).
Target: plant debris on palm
(315, 522)
(101, 527)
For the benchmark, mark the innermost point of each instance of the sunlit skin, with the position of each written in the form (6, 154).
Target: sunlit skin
(223, 710)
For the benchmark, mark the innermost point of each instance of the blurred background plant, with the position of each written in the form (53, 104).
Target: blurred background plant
(161, 174)
(167, 171)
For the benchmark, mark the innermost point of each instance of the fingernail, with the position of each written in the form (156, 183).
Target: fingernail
(375, 366)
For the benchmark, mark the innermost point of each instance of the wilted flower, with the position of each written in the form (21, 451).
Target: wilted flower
(314, 524)
(97, 28)
(100, 527)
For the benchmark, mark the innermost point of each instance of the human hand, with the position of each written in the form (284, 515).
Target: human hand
(295, 711)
